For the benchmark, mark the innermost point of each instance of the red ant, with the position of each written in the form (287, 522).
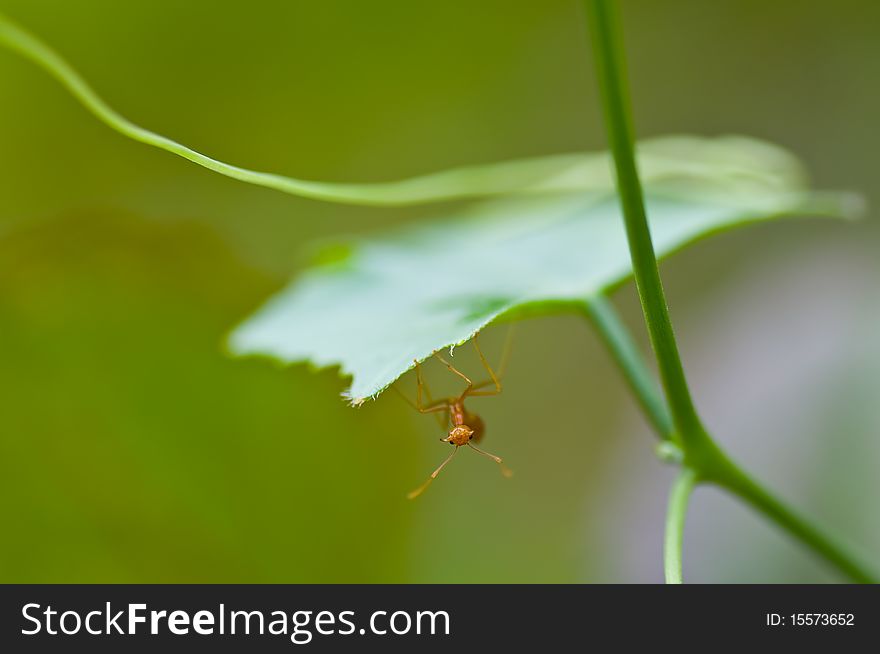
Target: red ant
(466, 426)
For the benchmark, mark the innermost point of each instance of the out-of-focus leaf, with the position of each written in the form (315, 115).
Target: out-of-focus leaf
(400, 298)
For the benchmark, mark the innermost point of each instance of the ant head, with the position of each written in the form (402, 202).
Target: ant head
(459, 435)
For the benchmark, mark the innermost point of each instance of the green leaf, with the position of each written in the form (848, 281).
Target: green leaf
(386, 302)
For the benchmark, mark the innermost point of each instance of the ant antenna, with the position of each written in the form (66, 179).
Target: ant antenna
(421, 489)
(507, 472)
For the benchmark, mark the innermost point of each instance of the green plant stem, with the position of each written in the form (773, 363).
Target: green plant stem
(701, 454)
(627, 356)
(730, 476)
(612, 85)
(675, 517)
(713, 464)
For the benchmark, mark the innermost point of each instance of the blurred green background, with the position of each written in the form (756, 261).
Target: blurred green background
(133, 450)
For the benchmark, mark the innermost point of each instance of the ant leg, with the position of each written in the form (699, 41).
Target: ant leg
(432, 406)
(494, 379)
(420, 385)
(502, 368)
(505, 352)
(452, 369)
(507, 472)
(404, 397)
(421, 489)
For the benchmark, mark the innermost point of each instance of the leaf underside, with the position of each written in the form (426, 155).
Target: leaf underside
(393, 300)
